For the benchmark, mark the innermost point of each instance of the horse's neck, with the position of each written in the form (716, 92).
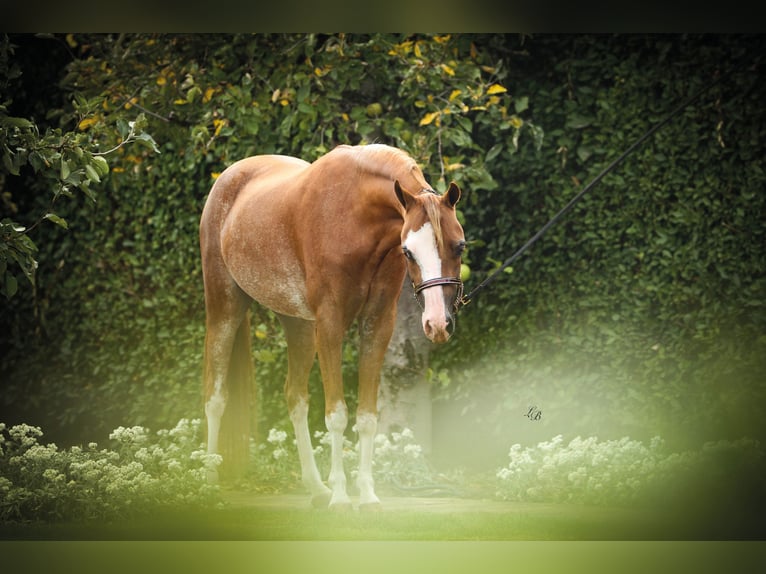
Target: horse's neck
(390, 164)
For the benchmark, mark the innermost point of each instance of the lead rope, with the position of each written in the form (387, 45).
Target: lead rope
(469, 297)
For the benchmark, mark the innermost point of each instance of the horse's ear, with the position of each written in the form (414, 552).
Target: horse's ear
(402, 195)
(453, 195)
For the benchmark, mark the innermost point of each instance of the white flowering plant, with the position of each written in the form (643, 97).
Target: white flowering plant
(144, 472)
(273, 465)
(621, 472)
(398, 460)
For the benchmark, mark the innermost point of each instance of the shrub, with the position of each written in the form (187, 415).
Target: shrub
(625, 471)
(140, 475)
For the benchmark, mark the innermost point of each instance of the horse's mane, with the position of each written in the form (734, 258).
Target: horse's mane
(394, 163)
(389, 162)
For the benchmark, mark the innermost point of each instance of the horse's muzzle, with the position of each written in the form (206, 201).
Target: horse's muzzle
(439, 329)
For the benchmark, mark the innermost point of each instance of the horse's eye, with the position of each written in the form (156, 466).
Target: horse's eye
(408, 254)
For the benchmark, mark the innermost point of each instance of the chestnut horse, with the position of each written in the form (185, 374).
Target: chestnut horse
(321, 245)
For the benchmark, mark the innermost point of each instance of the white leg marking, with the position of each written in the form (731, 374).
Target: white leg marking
(214, 408)
(214, 411)
(309, 471)
(366, 426)
(336, 423)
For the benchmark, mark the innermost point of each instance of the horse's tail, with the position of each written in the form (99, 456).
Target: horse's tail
(238, 420)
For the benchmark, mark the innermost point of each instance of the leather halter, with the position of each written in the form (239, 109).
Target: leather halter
(458, 302)
(441, 281)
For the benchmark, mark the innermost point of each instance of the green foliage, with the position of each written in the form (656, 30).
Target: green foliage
(628, 472)
(141, 475)
(130, 328)
(61, 162)
(641, 312)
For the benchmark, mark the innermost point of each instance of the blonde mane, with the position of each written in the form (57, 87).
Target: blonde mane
(393, 163)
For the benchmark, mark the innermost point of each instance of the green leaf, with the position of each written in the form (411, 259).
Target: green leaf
(521, 104)
(493, 152)
(57, 220)
(144, 137)
(9, 164)
(21, 123)
(11, 285)
(92, 174)
(100, 165)
(578, 122)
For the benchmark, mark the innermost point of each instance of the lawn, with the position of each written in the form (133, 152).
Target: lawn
(280, 533)
(289, 518)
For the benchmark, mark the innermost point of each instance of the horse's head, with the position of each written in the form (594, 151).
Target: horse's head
(432, 243)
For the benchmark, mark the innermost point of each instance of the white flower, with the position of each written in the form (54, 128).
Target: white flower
(413, 450)
(276, 436)
(53, 475)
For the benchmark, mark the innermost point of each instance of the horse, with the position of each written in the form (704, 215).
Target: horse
(322, 245)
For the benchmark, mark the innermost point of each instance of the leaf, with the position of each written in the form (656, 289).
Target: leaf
(144, 137)
(577, 122)
(92, 174)
(11, 285)
(9, 164)
(584, 152)
(521, 104)
(493, 152)
(428, 118)
(21, 123)
(85, 123)
(61, 222)
(100, 165)
(496, 89)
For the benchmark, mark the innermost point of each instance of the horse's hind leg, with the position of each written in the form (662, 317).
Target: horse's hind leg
(301, 351)
(226, 308)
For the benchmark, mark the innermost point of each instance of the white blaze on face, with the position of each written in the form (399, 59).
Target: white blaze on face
(422, 245)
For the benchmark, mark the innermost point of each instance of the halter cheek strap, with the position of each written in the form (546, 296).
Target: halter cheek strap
(441, 281)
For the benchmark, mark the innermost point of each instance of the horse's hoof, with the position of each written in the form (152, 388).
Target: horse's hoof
(370, 507)
(321, 501)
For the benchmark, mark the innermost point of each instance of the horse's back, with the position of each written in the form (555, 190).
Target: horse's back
(246, 227)
(260, 169)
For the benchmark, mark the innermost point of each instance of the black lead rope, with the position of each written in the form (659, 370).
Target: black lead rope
(508, 262)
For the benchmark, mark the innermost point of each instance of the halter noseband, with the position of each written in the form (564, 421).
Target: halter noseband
(458, 302)
(441, 281)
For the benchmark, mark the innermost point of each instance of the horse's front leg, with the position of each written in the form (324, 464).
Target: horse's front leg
(301, 352)
(375, 334)
(329, 349)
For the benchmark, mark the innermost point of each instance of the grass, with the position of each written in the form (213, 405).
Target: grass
(412, 520)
